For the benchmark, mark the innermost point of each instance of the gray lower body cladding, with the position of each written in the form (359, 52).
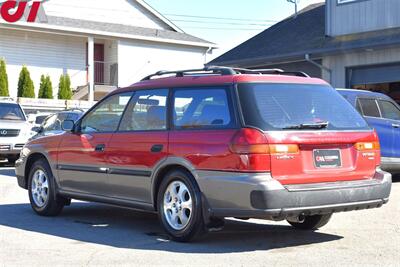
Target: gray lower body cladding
(260, 196)
(390, 164)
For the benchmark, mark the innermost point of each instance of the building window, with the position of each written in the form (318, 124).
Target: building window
(339, 2)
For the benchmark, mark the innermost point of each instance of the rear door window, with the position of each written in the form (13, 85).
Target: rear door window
(389, 110)
(202, 108)
(369, 107)
(147, 111)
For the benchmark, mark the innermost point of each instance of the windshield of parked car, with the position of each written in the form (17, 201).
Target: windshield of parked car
(11, 112)
(297, 107)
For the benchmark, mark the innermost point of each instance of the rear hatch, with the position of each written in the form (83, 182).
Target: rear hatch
(314, 134)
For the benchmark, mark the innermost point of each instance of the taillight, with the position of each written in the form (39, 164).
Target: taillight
(372, 147)
(367, 146)
(249, 141)
(283, 149)
(254, 150)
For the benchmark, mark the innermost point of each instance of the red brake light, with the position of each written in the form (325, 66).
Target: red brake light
(249, 141)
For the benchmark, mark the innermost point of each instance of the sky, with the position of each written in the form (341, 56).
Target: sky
(226, 22)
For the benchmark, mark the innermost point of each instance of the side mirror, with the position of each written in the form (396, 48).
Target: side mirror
(67, 125)
(37, 129)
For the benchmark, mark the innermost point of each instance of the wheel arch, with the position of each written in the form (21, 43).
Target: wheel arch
(32, 158)
(163, 168)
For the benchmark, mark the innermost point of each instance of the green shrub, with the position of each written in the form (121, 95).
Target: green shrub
(25, 84)
(46, 87)
(3, 79)
(64, 88)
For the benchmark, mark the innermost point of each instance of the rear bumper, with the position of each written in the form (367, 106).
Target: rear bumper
(268, 199)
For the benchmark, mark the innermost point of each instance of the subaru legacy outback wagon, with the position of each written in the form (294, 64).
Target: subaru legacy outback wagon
(201, 145)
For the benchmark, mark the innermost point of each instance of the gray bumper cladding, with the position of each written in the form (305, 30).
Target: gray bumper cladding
(270, 201)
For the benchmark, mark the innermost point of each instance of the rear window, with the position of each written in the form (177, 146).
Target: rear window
(282, 106)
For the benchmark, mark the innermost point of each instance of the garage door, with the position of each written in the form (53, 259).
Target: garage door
(373, 74)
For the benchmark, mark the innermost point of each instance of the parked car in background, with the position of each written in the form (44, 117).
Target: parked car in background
(15, 130)
(383, 114)
(37, 119)
(213, 143)
(52, 124)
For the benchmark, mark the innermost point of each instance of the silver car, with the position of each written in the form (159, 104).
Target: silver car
(15, 130)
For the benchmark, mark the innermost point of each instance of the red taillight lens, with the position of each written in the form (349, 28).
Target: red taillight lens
(249, 141)
(253, 149)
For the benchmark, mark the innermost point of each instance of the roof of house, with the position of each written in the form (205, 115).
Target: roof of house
(80, 26)
(124, 29)
(292, 38)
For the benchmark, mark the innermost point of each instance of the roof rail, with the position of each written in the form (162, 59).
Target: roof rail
(271, 71)
(220, 70)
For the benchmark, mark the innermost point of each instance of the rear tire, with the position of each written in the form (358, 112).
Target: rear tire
(41, 190)
(312, 222)
(180, 207)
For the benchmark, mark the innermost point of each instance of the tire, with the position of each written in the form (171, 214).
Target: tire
(182, 221)
(313, 222)
(41, 190)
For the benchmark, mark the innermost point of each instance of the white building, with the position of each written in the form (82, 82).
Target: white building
(101, 44)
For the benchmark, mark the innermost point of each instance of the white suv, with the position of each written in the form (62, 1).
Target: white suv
(15, 130)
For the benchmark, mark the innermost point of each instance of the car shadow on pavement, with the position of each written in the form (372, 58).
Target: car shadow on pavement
(396, 178)
(123, 228)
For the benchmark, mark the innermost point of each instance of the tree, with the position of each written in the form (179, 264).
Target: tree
(25, 84)
(64, 88)
(46, 87)
(3, 79)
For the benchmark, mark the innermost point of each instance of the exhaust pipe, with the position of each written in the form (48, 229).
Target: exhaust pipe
(297, 219)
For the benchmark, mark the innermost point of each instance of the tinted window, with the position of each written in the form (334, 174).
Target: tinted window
(280, 106)
(11, 112)
(201, 108)
(389, 110)
(146, 111)
(40, 119)
(106, 116)
(74, 116)
(369, 107)
(53, 123)
(358, 106)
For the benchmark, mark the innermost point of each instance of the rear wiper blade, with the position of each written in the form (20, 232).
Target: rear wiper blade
(320, 125)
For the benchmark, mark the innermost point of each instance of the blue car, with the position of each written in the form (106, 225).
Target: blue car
(383, 114)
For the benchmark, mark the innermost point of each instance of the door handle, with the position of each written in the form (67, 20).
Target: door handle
(394, 125)
(100, 148)
(157, 148)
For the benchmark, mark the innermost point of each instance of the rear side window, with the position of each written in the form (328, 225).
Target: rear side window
(147, 111)
(202, 108)
(297, 106)
(369, 107)
(389, 110)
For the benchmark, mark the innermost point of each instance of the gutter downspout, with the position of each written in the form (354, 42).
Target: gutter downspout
(322, 67)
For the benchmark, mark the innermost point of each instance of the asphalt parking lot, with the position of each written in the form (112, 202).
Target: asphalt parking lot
(89, 234)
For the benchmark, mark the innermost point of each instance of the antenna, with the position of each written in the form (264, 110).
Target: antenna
(295, 2)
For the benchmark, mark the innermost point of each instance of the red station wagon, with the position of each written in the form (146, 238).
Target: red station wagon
(201, 145)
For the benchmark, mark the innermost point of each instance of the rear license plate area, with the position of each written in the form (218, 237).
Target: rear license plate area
(327, 158)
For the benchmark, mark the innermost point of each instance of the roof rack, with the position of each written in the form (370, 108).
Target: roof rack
(220, 70)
